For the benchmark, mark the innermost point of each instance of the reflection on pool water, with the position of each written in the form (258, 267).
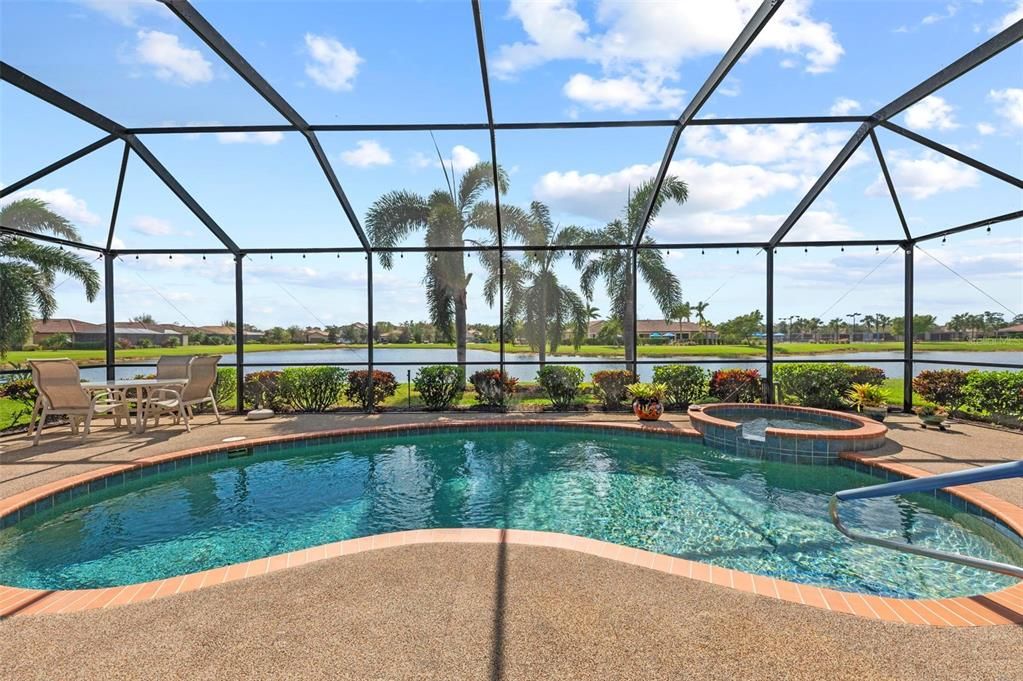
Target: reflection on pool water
(670, 496)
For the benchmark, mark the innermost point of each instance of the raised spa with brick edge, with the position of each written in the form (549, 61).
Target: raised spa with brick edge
(785, 433)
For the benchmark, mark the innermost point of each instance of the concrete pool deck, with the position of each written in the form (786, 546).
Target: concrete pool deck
(502, 592)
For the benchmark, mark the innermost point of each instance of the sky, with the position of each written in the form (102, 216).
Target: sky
(416, 62)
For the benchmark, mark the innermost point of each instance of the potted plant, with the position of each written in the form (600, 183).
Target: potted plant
(931, 415)
(647, 400)
(868, 399)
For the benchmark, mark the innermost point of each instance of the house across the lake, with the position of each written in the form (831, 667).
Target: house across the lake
(658, 330)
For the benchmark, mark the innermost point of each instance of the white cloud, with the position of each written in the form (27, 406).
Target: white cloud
(367, 153)
(844, 106)
(713, 187)
(985, 129)
(821, 225)
(798, 148)
(925, 176)
(950, 11)
(1016, 14)
(640, 47)
(334, 66)
(462, 158)
(146, 224)
(265, 137)
(626, 93)
(172, 61)
(124, 12)
(929, 113)
(1011, 100)
(60, 201)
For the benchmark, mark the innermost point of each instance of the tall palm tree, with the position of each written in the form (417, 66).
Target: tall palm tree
(445, 216)
(28, 269)
(683, 312)
(614, 267)
(835, 325)
(699, 309)
(533, 293)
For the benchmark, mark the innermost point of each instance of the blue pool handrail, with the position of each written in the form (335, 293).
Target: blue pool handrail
(1000, 471)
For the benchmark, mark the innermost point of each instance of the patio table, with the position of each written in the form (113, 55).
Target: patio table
(142, 388)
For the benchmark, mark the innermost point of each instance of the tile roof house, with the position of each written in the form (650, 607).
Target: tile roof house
(655, 329)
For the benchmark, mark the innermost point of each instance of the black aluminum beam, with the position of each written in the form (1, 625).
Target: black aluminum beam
(524, 125)
(1015, 215)
(742, 42)
(220, 45)
(154, 164)
(952, 153)
(967, 62)
(50, 239)
(769, 324)
(477, 17)
(907, 326)
(108, 313)
(891, 186)
(847, 151)
(44, 92)
(239, 335)
(57, 165)
(117, 195)
(850, 243)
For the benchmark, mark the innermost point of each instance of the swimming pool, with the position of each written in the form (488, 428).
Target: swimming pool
(668, 495)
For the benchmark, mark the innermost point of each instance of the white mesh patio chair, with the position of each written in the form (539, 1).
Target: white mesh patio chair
(59, 384)
(171, 367)
(179, 403)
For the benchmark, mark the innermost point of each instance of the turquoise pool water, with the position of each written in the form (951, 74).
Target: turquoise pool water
(674, 497)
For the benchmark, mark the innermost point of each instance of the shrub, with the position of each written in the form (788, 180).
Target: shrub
(741, 385)
(685, 384)
(312, 388)
(560, 383)
(492, 388)
(123, 343)
(859, 373)
(225, 387)
(172, 342)
(995, 392)
(814, 385)
(946, 387)
(358, 390)
(610, 386)
(439, 386)
(22, 391)
(263, 390)
(58, 341)
(215, 340)
(144, 343)
(647, 392)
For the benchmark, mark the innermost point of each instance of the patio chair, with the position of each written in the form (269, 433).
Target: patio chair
(170, 367)
(179, 403)
(59, 384)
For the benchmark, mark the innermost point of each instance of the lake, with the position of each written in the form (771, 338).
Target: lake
(419, 357)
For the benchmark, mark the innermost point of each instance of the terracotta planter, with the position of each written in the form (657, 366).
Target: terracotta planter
(647, 410)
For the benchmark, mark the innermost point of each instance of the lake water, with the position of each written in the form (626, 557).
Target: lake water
(419, 357)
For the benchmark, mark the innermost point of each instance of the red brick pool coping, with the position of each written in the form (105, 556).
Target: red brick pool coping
(996, 608)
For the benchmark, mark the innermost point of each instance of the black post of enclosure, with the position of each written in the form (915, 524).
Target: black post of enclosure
(108, 297)
(769, 325)
(369, 329)
(907, 327)
(633, 311)
(239, 336)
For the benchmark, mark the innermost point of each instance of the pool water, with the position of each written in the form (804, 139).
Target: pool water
(673, 497)
(757, 428)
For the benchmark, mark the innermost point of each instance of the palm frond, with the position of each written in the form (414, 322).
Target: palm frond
(34, 215)
(392, 217)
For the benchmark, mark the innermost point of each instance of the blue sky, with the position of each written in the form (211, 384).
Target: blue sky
(416, 62)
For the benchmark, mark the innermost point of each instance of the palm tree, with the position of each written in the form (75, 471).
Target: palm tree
(699, 309)
(28, 269)
(615, 266)
(533, 293)
(813, 325)
(835, 325)
(445, 216)
(681, 312)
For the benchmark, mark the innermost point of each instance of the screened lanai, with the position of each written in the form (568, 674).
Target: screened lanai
(230, 152)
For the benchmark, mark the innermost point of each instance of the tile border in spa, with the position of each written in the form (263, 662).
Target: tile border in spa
(996, 608)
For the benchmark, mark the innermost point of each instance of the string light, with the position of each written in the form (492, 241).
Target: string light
(271, 256)
(843, 249)
(942, 239)
(703, 252)
(204, 257)
(303, 256)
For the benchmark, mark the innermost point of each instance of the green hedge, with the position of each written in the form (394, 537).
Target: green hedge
(561, 384)
(822, 385)
(609, 386)
(312, 388)
(995, 392)
(439, 386)
(685, 383)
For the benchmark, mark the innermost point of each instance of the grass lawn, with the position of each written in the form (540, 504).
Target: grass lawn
(18, 357)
